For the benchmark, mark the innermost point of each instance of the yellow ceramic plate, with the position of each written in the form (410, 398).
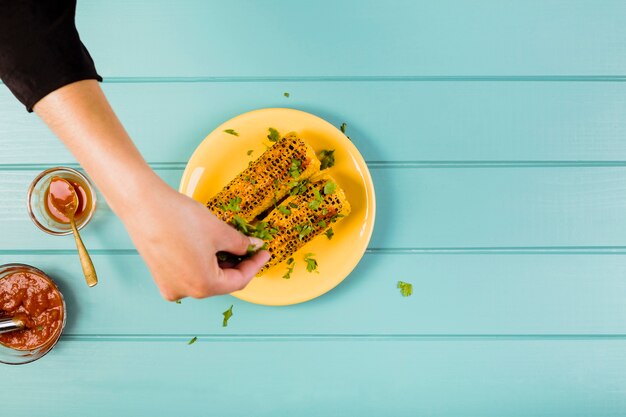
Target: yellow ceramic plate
(221, 156)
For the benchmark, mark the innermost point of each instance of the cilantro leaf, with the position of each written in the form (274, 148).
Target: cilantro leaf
(251, 250)
(343, 129)
(336, 217)
(274, 136)
(227, 315)
(260, 230)
(233, 205)
(295, 168)
(303, 230)
(406, 289)
(192, 341)
(241, 224)
(249, 152)
(329, 233)
(286, 94)
(289, 268)
(293, 205)
(39, 328)
(284, 210)
(327, 158)
(298, 187)
(329, 187)
(311, 263)
(317, 200)
(231, 132)
(178, 302)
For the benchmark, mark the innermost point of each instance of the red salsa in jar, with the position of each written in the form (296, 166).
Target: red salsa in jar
(36, 301)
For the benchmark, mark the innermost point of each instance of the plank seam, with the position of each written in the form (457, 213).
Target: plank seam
(510, 250)
(364, 78)
(179, 166)
(207, 337)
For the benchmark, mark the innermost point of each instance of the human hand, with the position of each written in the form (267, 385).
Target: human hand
(178, 239)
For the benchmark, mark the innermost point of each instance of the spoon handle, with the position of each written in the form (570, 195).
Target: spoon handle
(85, 259)
(10, 324)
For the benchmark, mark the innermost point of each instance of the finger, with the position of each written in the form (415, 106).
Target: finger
(235, 279)
(235, 242)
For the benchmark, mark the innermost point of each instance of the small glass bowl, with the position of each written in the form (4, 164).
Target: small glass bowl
(12, 356)
(37, 201)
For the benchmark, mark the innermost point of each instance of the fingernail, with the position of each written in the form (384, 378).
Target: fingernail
(256, 242)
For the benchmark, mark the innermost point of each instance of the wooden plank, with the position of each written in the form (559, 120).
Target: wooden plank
(453, 295)
(388, 121)
(417, 208)
(402, 37)
(312, 378)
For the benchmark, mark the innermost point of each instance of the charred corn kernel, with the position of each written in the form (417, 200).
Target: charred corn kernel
(301, 217)
(267, 180)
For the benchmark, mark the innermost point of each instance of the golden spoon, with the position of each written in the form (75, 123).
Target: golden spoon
(68, 204)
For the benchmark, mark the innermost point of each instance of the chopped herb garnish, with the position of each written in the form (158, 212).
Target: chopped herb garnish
(294, 169)
(259, 230)
(178, 302)
(311, 264)
(249, 152)
(233, 205)
(274, 136)
(298, 187)
(329, 233)
(284, 210)
(327, 158)
(336, 217)
(39, 328)
(231, 132)
(293, 205)
(251, 250)
(241, 224)
(303, 230)
(286, 94)
(192, 341)
(406, 289)
(343, 129)
(317, 200)
(322, 224)
(289, 268)
(329, 187)
(227, 315)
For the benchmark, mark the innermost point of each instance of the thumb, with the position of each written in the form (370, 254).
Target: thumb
(235, 242)
(235, 279)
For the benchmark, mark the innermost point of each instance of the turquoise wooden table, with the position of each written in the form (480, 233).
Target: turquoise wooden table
(495, 132)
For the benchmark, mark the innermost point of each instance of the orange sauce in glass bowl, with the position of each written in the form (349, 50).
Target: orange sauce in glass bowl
(57, 195)
(35, 300)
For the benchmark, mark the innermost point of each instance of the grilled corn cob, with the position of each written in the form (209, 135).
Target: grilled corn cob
(266, 180)
(301, 217)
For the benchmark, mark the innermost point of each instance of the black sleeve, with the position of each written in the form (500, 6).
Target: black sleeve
(40, 50)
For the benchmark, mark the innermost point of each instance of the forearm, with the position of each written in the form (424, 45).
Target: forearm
(80, 115)
(181, 255)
